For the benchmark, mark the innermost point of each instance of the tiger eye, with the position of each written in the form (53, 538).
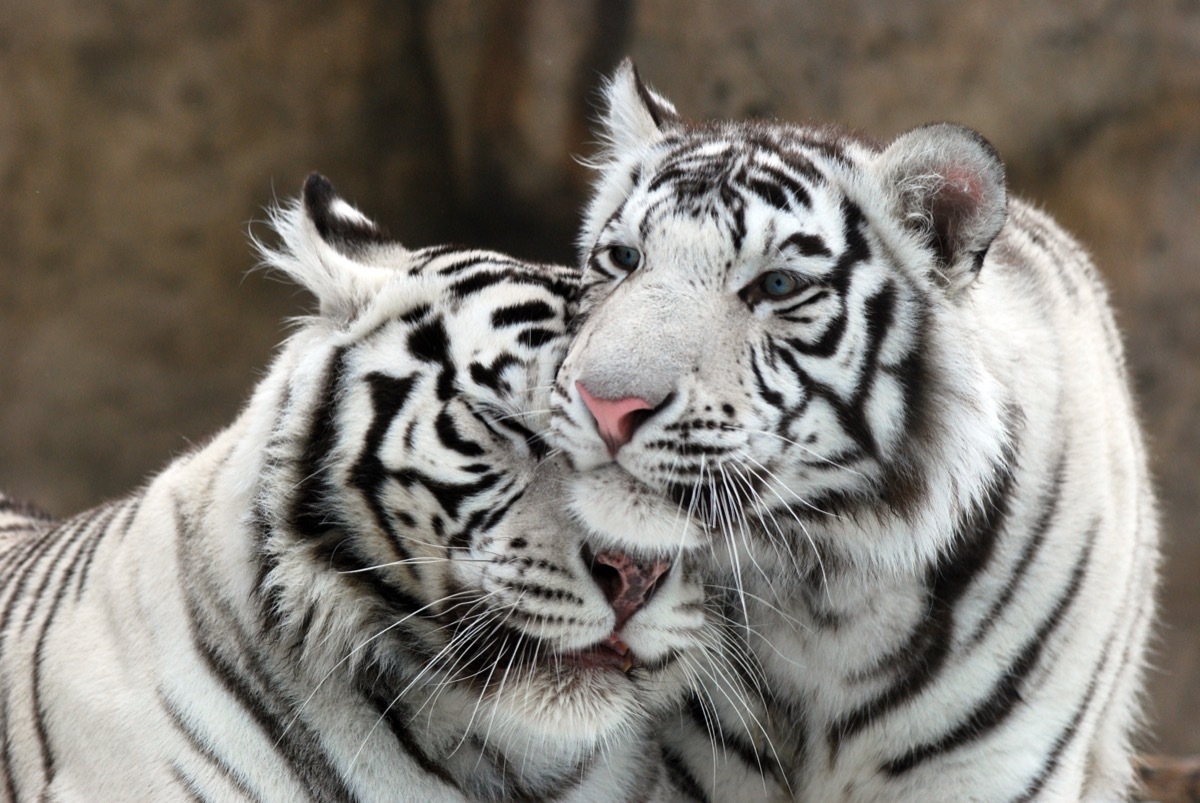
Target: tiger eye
(625, 256)
(778, 284)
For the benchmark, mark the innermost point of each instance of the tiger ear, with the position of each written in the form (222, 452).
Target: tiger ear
(635, 115)
(338, 223)
(328, 247)
(947, 186)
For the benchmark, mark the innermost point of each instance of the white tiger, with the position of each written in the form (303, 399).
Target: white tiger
(366, 588)
(897, 400)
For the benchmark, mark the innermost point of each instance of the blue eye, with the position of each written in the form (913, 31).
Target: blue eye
(778, 284)
(625, 257)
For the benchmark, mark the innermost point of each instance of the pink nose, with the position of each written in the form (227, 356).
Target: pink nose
(627, 583)
(616, 419)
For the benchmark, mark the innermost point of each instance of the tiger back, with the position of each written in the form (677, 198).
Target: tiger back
(897, 401)
(367, 587)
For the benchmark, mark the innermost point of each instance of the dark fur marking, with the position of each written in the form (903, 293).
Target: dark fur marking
(309, 515)
(1005, 694)
(808, 245)
(921, 659)
(389, 395)
(525, 312)
(680, 776)
(491, 376)
(1049, 508)
(448, 436)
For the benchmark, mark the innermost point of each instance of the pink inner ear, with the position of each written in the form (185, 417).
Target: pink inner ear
(952, 206)
(962, 186)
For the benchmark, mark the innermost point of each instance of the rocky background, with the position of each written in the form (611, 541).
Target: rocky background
(139, 141)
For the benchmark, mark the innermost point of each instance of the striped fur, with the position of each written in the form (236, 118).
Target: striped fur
(364, 589)
(897, 400)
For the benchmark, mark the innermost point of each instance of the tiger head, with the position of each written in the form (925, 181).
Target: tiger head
(413, 526)
(773, 333)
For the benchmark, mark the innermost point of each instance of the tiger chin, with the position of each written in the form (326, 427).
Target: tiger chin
(369, 586)
(895, 401)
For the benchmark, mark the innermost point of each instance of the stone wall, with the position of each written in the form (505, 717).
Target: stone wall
(139, 141)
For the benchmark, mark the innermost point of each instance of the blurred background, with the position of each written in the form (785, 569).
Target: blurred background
(139, 140)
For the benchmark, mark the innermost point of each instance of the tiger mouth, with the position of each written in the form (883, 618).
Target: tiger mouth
(610, 654)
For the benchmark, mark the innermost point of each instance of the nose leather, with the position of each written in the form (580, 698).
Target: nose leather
(616, 419)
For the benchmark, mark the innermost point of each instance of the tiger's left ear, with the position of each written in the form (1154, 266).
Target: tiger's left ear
(332, 249)
(635, 115)
(947, 186)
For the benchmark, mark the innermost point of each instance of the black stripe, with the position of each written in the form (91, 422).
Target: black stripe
(463, 261)
(449, 495)
(526, 312)
(1037, 536)
(24, 565)
(6, 757)
(921, 659)
(81, 560)
(537, 337)
(681, 777)
(429, 342)
(396, 716)
(310, 514)
(130, 508)
(449, 436)
(1063, 739)
(491, 376)
(771, 397)
(769, 192)
(808, 245)
(565, 288)
(787, 182)
(214, 628)
(340, 555)
(299, 748)
(50, 561)
(190, 785)
(1006, 693)
(389, 395)
(719, 733)
(70, 539)
(204, 749)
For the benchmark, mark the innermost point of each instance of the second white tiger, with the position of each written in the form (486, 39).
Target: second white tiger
(367, 587)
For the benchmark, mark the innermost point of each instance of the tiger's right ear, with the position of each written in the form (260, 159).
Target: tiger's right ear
(332, 249)
(635, 115)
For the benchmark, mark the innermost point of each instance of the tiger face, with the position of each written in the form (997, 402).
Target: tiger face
(418, 513)
(771, 335)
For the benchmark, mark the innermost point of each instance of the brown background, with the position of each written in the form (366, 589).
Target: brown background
(139, 139)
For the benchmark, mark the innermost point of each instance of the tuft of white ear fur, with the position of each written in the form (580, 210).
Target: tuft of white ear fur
(323, 242)
(947, 186)
(635, 115)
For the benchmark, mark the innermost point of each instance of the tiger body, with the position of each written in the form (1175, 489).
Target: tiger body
(366, 588)
(897, 400)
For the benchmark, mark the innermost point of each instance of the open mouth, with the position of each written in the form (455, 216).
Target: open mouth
(610, 654)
